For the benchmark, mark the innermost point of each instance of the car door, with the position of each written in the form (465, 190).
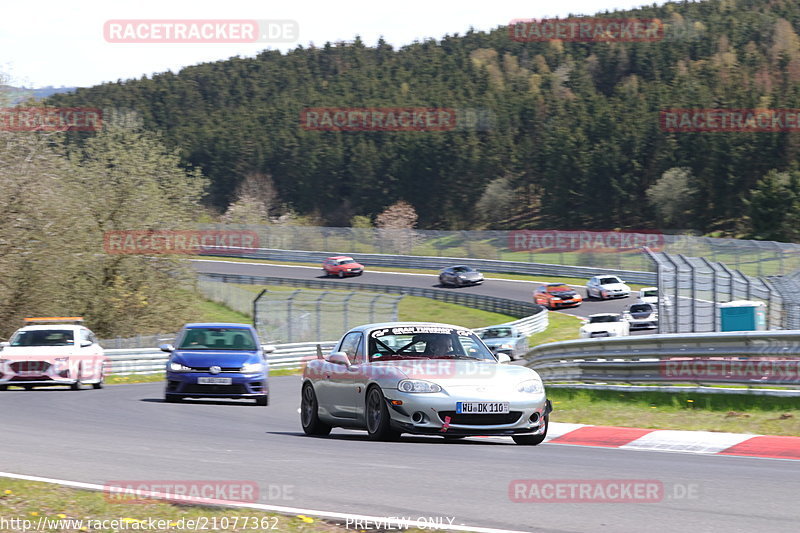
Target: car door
(339, 379)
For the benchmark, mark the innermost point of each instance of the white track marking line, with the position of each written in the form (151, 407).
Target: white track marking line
(422, 524)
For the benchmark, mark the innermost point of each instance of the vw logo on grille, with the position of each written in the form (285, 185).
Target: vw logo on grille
(215, 370)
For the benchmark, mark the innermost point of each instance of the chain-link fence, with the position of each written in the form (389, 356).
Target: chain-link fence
(233, 297)
(618, 250)
(691, 289)
(307, 315)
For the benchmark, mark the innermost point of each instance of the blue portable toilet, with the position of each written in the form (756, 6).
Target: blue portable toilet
(743, 315)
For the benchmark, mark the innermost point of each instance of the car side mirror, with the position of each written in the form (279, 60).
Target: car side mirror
(86, 344)
(4, 344)
(503, 358)
(166, 348)
(339, 358)
(268, 348)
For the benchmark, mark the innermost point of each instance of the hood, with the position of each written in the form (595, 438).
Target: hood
(206, 358)
(564, 294)
(470, 275)
(450, 374)
(603, 326)
(497, 341)
(43, 353)
(616, 287)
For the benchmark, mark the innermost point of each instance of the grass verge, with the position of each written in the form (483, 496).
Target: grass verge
(561, 327)
(687, 411)
(49, 507)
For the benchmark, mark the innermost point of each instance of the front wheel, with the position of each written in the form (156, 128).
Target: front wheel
(533, 440)
(379, 425)
(98, 385)
(309, 414)
(262, 401)
(78, 385)
(3, 387)
(171, 398)
(341, 274)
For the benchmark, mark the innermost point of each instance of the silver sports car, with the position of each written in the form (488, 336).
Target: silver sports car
(421, 378)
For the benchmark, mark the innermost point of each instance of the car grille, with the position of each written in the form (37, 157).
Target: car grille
(30, 366)
(223, 369)
(600, 334)
(214, 389)
(480, 420)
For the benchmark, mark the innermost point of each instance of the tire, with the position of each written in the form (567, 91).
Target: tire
(533, 440)
(98, 385)
(27, 387)
(309, 415)
(441, 282)
(262, 401)
(78, 385)
(3, 387)
(341, 274)
(171, 398)
(379, 424)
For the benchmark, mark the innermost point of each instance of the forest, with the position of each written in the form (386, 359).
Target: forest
(570, 134)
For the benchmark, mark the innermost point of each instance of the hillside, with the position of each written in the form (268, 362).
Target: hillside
(575, 140)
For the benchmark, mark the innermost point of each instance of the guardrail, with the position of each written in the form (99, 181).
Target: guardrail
(153, 360)
(528, 325)
(494, 304)
(436, 263)
(743, 358)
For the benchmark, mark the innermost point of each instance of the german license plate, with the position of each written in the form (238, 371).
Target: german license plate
(482, 408)
(214, 381)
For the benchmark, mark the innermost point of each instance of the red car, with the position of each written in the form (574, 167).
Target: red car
(342, 265)
(555, 295)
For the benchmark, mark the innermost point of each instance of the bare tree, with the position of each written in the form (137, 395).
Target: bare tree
(396, 227)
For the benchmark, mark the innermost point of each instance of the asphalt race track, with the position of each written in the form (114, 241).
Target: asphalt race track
(514, 290)
(126, 432)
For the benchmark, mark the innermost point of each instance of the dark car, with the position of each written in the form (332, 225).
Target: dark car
(459, 276)
(220, 360)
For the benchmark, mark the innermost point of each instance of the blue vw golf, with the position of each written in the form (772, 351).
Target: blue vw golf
(221, 360)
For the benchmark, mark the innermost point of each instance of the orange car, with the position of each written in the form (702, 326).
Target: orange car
(556, 295)
(342, 265)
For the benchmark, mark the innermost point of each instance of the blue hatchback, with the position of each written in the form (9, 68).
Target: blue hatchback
(221, 360)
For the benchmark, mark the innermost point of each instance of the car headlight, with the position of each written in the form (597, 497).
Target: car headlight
(418, 385)
(506, 346)
(253, 367)
(177, 367)
(555, 297)
(531, 386)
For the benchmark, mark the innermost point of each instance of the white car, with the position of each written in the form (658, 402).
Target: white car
(604, 325)
(52, 353)
(607, 286)
(641, 316)
(648, 295)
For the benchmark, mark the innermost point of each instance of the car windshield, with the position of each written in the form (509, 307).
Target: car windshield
(641, 308)
(44, 337)
(604, 318)
(346, 261)
(610, 280)
(217, 339)
(462, 269)
(653, 292)
(559, 288)
(426, 342)
(496, 333)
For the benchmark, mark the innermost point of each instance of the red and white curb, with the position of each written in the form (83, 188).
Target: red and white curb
(667, 440)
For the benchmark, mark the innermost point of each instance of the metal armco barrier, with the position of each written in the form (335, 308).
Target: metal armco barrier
(743, 358)
(487, 303)
(436, 263)
(153, 360)
(528, 325)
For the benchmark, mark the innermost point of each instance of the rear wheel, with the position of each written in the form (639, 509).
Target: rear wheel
(3, 387)
(341, 273)
(379, 425)
(78, 385)
(171, 398)
(27, 387)
(533, 440)
(309, 414)
(99, 384)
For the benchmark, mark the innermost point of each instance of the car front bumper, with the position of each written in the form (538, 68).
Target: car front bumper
(525, 415)
(242, 385)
